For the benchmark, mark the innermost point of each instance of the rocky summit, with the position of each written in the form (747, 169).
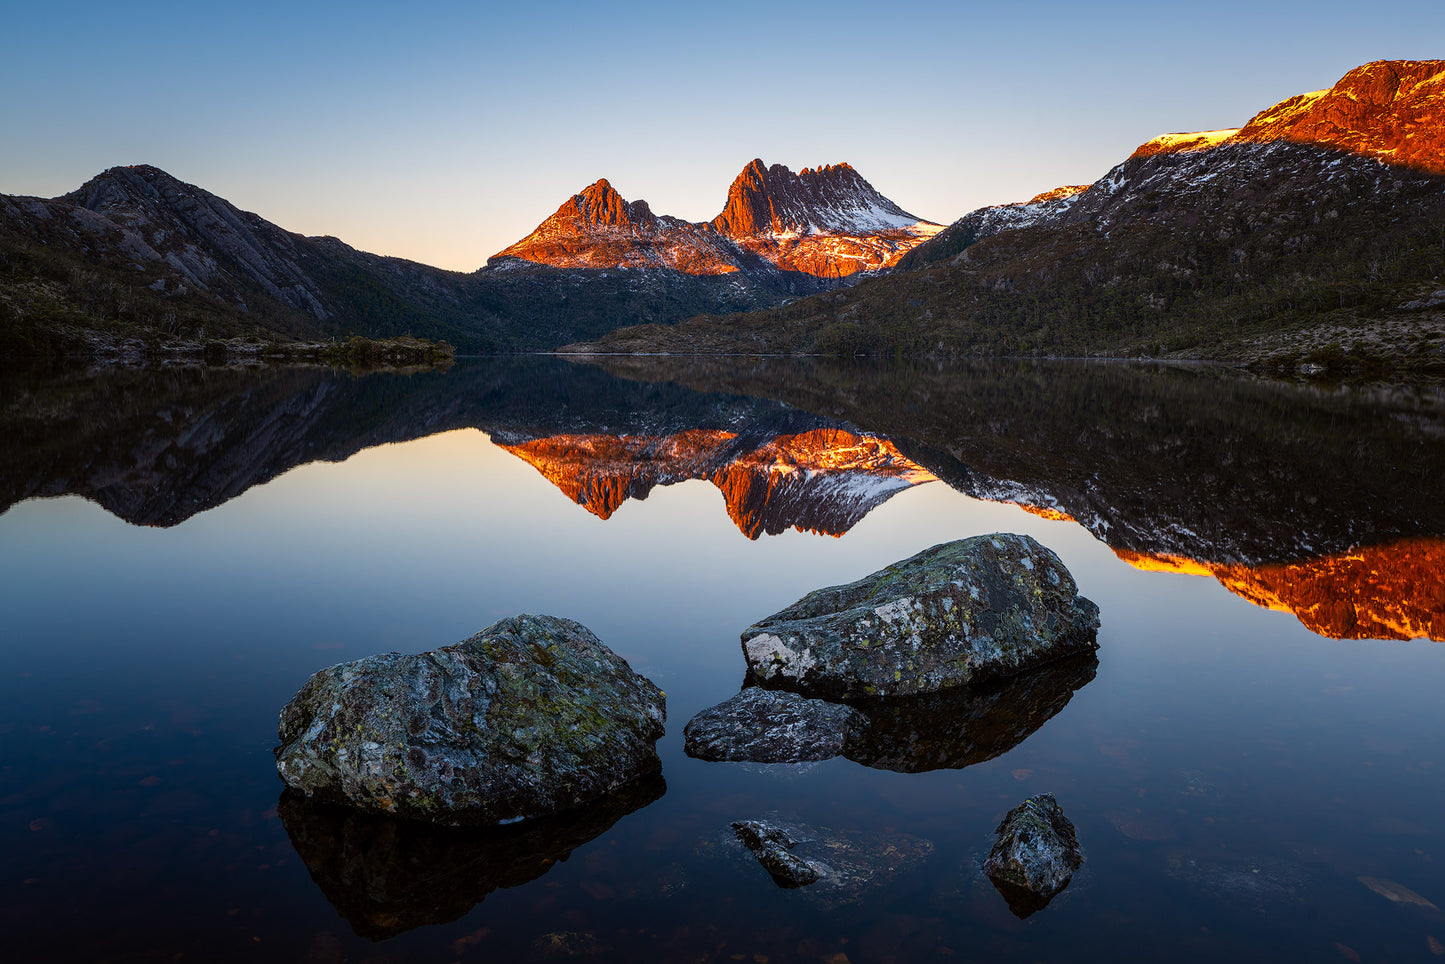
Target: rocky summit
(958, 613)
(531, 716)
(821, 223)
(1035, 855)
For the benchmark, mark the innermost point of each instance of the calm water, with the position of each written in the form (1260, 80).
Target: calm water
(182, 549)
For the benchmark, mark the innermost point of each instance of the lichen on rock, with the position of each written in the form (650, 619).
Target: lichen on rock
(771, 726)
(1035, 855)
(958, 613)
(534, 715)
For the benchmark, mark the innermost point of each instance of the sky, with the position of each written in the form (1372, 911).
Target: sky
(443, 132)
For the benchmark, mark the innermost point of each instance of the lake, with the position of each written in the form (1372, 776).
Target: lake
(1254, 763)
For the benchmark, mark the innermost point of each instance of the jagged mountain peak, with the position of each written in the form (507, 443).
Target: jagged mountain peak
(599, 228)
(826, 222)
(599, 204)
(831, 199)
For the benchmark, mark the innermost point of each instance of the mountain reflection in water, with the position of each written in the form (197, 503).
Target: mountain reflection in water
(822, 481)
(1319, 502)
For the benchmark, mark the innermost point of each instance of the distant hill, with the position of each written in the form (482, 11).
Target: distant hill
(1314, 235)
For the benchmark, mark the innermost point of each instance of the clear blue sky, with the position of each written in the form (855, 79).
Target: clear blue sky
(445, 131)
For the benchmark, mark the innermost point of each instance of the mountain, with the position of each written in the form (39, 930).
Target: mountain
(136, 253)
(136, 261)
(1310, 236)
(824, 223)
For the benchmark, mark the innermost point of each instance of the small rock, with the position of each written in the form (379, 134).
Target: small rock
(1035, 855)
(773, 846)
(531, 716)
(844, 866)
(771, 726)
(957, 613)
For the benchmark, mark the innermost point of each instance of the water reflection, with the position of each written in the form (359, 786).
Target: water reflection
(824, 480)
(1318, 502)
(387, 876)
(1390, 591)
(967, 725)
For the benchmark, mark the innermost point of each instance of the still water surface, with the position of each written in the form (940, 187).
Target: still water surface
(1233, 771)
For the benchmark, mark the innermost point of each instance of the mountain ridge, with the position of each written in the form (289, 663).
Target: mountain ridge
(1309, 237)
(826, 223)
(139, 263)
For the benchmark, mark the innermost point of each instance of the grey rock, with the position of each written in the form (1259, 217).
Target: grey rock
(773, 847)
(531, 716)
(958, 613)
(1035, 855)
(835, 866)
(771, 726)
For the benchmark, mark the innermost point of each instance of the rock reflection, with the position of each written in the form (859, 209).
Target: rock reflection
(968, 725)
(908, 734)
(388, 876)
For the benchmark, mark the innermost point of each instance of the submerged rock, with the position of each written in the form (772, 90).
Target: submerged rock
(771, 726)
(531, 716)
(1035, 855)
(773, 846)
(957, 613)
(834, 866)
(387, 876)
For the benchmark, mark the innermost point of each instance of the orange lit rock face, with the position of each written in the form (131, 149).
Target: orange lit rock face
(1059, 193)
(598, 229)
(828, 222)
(1392, 110)
(821, 481)
(1391, 591)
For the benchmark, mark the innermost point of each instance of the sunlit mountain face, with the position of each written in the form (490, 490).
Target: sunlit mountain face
(821, 481)
(826, 223)
(1392, 111)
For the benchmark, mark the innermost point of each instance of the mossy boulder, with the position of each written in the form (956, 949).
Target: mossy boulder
(531, 716)
(1035, 854)
(958, 613)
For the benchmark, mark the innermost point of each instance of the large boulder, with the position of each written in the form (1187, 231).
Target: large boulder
(1035, 854)
(531, 716)
(771, 726)
(957, 613)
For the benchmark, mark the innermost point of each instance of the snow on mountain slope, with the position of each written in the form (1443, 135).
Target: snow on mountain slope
(826, 222)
